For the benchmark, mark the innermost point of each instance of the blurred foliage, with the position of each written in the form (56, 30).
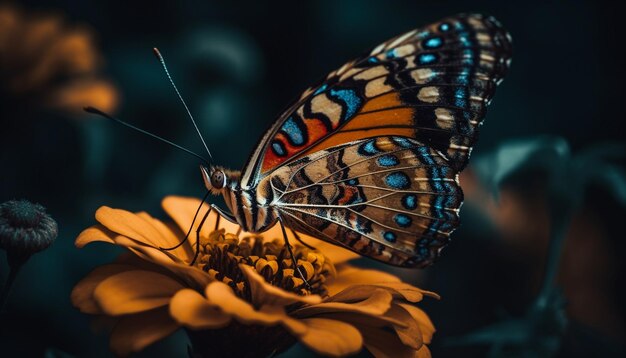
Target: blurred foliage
(238, 66)
(569, 175)
(47, 63)
(540, 331)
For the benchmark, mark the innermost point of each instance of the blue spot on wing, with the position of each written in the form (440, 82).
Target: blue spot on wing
(402, 220)
(433, 42)
(409, 201)
(389, 236)
(279, 148)
(391, 53)
(465, 40)
(368, 148)
(427, 58)
(403, 142)
(291, 129)
(436, 172)
(468, 57)
(351, 100)
(424, 155)
(463, 78)
(398, 180)
(460, 97)
(373, 60)
(388, 160)
(452, 191)
(444, 27)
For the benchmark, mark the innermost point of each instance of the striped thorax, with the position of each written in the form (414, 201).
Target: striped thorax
(252, 211)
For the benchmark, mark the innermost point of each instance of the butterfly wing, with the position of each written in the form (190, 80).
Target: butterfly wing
(431, 84)
(393, 199)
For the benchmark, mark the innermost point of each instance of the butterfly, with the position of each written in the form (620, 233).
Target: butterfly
(369, 158)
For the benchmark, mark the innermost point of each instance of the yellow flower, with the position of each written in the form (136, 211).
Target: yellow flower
(51, 64)
(242, 296)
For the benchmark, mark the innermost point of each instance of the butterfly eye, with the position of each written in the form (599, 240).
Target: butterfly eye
(218, 179)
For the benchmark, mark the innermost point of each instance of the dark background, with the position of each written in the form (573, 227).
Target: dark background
(238, 65)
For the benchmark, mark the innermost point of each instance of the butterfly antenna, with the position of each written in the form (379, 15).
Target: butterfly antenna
(158, 55)
(105, 115)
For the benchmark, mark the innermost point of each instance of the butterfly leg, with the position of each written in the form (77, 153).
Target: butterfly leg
(225, 214)
(295, 234)
(195, 257)
(217, 222)
(190, 226)
(293, 259)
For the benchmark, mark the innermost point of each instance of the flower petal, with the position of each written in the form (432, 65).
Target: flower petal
(335, 253)
(183, 209)
(222, 296)
(82, 295)
(426, 325)
(94, 233)
(170, 238)
(409, 332)
(384, 344)
(134, 332)
(377, 304)
(191, 309)
(191, 275)
(265, 294)
(424, 352)
(397, 289)
(330, 337)
(358, 320)
(131, 225)
(135, 291)
(348, 276)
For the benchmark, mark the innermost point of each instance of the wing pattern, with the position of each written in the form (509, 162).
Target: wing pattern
(431, 84)
(390, 198)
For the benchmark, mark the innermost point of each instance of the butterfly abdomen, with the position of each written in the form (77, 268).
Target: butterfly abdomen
(251, 207)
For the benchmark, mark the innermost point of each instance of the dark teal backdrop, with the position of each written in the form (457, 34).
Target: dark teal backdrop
(238, 65)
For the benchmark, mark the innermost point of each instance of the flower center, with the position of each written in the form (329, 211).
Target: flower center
(222, 253)
(22, 213)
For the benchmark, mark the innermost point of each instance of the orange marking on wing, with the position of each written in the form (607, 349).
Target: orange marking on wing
(271, 159)
(359, 127)
(390, 117)
(315, 129)
(349, 193)
(385, 101)
(346, 137)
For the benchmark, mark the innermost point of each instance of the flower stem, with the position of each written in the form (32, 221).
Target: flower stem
(13, 271)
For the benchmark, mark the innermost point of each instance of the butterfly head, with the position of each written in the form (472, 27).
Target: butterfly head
(215, 179)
